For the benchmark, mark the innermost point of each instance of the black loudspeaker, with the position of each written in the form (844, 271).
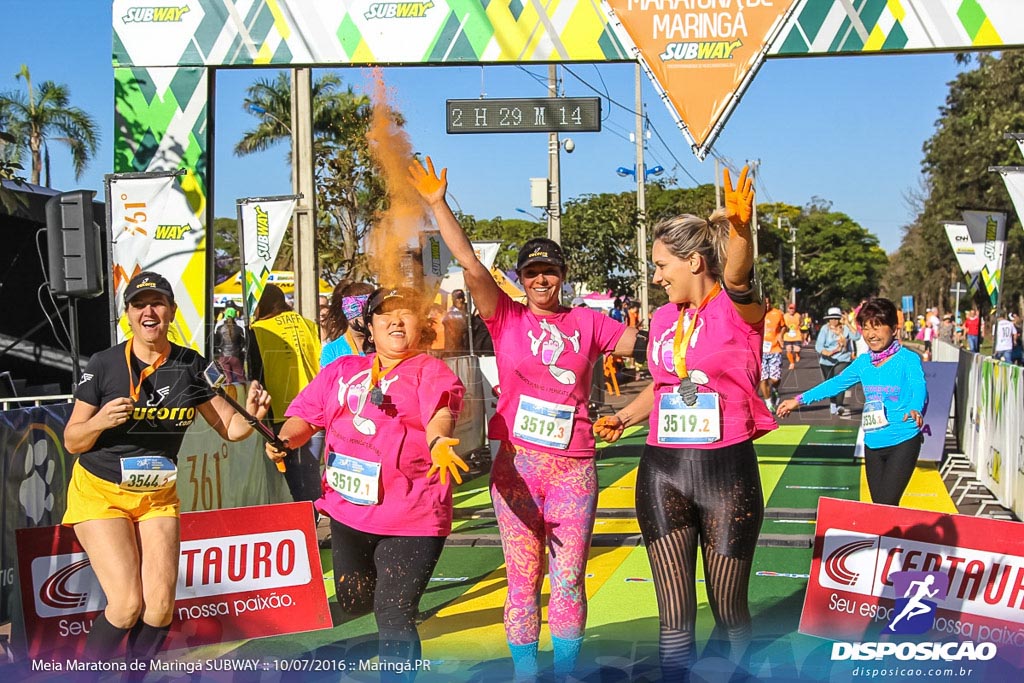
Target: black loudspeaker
(73, 243)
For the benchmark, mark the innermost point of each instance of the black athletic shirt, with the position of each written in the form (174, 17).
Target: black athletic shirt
(165, 408)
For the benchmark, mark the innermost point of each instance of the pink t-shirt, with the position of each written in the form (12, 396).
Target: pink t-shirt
(724, 356)
(544, 368)
(392, 435)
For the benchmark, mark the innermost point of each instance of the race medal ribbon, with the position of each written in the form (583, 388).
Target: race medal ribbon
(543, 423)
(687, 389)
(147, 473)
(377, 373)
(682, 423)
(133, 388)
(873, 418)
(355, 480)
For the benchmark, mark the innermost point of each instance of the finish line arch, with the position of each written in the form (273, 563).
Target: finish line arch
(165, 60)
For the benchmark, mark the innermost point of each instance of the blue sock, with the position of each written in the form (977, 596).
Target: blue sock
(566, 652)
(524, 658)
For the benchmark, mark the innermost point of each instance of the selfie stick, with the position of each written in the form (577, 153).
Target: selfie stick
(266, 432)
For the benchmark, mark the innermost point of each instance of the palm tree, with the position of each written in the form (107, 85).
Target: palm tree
(35, 117)
(337, 114)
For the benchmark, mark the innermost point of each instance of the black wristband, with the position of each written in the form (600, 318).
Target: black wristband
(433, 442)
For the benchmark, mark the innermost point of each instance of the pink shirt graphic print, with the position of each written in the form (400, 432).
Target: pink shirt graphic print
(724, 357)
(385, 444)
(545, 366)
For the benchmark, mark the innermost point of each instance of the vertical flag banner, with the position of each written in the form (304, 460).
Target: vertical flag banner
(966, 255)
(436, 258)
(700, 56)
(988, 232)
(262, 224)
(152, 227)
(1013, 176)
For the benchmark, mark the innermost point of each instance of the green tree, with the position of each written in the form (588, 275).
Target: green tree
(840, 262)
(350, 188)
(225, 246)
(11, 201)
(36, 116)
(983, 104)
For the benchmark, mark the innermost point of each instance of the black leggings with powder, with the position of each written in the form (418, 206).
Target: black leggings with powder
(686, 496)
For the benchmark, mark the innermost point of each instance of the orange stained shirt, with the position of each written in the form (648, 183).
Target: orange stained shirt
(792, 321)
(773, 327)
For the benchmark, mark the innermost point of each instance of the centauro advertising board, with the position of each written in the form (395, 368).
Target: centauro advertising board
(859, 548)
(266, 581)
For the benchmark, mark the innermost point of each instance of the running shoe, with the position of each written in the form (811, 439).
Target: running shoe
(792, 366)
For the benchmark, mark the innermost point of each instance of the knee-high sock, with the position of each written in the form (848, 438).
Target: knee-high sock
(144, 641)
(524, 659)
(104, 639)
(566, 652)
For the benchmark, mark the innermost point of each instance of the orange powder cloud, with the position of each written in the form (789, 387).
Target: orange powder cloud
(394, 240)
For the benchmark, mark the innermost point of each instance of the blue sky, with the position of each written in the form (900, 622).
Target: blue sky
(847, 129)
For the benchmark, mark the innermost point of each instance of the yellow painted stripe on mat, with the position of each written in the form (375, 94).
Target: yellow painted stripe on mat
(616, 525)
(471, 627)
(626, 433)
(785, 435)
(926, 491)
(621, 494)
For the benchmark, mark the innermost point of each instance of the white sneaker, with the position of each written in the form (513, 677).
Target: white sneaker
(833, 408)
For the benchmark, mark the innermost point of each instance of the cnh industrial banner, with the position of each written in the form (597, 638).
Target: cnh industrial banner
(988, 232)
(266, 581)
(152, 227)
(902, 588)
(262, 224)
(701, 53)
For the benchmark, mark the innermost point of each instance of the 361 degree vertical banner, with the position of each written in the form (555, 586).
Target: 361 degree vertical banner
(701, 55)
(152, 227)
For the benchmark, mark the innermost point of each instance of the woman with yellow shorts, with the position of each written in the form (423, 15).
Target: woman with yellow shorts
(132, 407)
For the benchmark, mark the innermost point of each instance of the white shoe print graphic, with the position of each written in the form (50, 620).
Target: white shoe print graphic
(550, 345)
(664, 346)
(353, 396)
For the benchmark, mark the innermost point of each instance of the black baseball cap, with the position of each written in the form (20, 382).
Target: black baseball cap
(406, 296)
(540, 250)
(148, 281)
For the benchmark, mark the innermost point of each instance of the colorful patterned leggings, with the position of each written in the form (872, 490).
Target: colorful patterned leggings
(542, 499)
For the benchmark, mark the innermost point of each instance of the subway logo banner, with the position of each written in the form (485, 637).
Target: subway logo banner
(893, 584)
(262, 224)
(701, 55)
(266, 581)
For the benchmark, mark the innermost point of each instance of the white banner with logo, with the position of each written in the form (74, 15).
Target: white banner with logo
(262, 224)
(1013, 176)
(966, 254)
(152, 227)
(988, 232)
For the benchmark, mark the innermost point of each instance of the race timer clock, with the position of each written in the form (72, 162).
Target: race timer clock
(519, 115)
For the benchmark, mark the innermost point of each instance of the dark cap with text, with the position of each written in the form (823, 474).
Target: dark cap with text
(540, 250)
(148, 281)
(390, 299)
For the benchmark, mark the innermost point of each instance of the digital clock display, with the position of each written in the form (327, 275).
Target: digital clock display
(536, 115)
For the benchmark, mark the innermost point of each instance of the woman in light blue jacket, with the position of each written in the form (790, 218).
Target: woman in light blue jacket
(895, 394)
(835, 347)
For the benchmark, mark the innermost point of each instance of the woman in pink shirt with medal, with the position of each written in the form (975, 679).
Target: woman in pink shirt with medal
(543, 481)
(388, 418)
(698, 481)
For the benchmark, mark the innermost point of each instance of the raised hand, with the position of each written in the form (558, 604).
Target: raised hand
(609, 428)
(257, 402)
(446, 460)
(426, 181)
(739, 202)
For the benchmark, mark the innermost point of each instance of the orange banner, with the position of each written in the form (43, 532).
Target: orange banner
(699, 52)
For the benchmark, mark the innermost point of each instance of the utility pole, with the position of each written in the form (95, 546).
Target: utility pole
(718, 184)
(554, 168)
(641, 201)
(753, 218)
(792, 266)
(307, 280)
